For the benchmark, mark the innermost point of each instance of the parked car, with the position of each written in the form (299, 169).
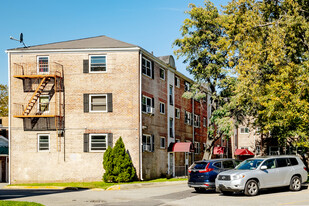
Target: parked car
(202, 174)
(264, 172)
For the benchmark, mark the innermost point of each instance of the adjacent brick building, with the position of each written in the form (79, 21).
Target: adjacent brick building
(72, 99)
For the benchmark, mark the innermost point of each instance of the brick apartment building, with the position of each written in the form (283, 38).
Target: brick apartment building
(70, 100)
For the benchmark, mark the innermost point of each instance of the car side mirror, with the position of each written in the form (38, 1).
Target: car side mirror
(264, 167)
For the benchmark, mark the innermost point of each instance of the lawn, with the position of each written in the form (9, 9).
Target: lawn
(18, 203)
(101, 184)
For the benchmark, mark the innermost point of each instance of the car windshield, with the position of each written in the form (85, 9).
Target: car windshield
(250, 164)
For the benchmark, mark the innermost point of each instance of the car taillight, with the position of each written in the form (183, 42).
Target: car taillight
(305, 168)
(189, 170)
(206, 169)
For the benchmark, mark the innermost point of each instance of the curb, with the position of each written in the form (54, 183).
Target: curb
(114, 187)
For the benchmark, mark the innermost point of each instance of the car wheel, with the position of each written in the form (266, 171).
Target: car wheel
(197, 189)
(295, 183)
(251, 188)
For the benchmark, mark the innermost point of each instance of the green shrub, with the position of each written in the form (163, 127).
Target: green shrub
(118, 164)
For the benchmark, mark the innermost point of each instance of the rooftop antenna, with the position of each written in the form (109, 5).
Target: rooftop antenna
(21, 39)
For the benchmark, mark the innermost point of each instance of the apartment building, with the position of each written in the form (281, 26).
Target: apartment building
(70, 100)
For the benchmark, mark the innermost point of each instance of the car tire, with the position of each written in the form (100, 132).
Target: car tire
(295, 183)
(251, 188)
(197, 189)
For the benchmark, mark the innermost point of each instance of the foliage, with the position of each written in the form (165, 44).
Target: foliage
(3, 100)
(271, 42)
(118, 164)
(203, 47)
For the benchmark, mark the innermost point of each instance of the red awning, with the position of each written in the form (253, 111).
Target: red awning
(243, 152)
(181, 147)
(218, 150)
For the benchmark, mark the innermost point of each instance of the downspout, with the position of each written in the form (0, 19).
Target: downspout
(193, 128)
(140, 119)
(9, 133)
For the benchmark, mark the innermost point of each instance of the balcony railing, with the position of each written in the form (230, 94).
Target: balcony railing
(48, 110)
(30, 69)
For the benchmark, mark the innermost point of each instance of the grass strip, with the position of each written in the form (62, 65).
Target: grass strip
(101, 184)
(19, 203)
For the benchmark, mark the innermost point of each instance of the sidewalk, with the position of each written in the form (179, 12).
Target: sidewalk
(114, 187)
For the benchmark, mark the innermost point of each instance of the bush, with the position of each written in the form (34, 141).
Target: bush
(118, 164)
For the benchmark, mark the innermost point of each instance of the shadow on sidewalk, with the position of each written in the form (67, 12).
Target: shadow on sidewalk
(6, 194)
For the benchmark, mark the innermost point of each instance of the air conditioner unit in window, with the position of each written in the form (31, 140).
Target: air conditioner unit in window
(150, 110)
(146, 148)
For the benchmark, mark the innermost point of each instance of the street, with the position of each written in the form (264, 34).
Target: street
(177, 194)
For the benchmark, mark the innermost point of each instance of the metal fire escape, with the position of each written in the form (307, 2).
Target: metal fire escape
(38, 84)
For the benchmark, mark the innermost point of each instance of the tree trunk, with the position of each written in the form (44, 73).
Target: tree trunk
(209, 148)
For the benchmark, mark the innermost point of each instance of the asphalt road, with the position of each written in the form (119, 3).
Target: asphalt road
(167, 195)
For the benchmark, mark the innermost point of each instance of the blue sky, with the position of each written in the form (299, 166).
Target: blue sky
(153, 25)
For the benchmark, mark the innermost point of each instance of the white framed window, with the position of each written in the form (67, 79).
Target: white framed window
(177, 82)
(162, 142)
(147, 105)
(244, 130)
(197, 120)
(204, 122)
(171, 128)
(162, 73)
(97, 63)
(171, 95)
(43, 103)
(162, 108)
(43, 142)
(98, 103)
(197, 147)
(97, 142)
(43, 64)
(147, 67)
(147, 143)
(187, 86)
(188, 118)
(177, 113)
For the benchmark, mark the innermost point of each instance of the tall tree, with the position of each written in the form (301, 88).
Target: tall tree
(210, 64)
(3, 100)
(271, 40)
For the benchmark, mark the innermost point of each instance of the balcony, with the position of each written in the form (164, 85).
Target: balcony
(29, 70)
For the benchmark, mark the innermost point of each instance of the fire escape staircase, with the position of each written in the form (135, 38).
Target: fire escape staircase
(36, 95)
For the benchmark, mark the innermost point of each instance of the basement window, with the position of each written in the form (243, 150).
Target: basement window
(97, 64)
(43, 65)
(98, 142)
(43, 142)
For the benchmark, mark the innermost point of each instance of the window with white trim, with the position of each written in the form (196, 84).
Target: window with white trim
(147, 104)
(244, 130)
(162, 108)
(162, 73)
(43, 64)
(188, 118)
(204, 122)
(171, 128)
(98, 102)
(97, 142)
(197, 120)
(147, 143)
(187, 86)
(43, 142)
(177, 82)
(177, 113)
(43, 104)
(97, 64)
(162, 142)
(197, 147)
(171, 95)
(146, 67)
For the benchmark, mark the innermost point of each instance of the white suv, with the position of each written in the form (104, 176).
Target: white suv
(264, 172)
